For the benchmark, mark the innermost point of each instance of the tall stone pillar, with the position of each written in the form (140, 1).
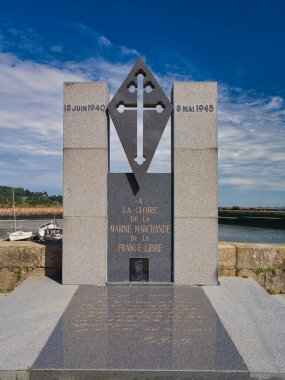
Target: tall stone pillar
(195, 183)
(85, 183)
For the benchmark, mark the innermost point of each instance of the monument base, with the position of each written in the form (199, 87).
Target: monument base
(138, 332)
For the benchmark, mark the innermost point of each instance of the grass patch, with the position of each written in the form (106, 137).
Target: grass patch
(260, 270)
(8, 290)
(266, 270)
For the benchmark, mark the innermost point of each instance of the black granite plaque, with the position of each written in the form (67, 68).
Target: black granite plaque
(126, 332)
(140, 227)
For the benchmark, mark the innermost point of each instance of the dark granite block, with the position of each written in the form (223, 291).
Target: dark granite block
(139, 332)
(141, 109)
(140, 227)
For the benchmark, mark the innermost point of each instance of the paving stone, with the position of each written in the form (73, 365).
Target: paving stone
(281, 298)
(28, 316)
(255, 322)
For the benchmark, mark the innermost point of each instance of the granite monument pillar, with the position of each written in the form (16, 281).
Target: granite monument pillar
(194, 141)
(85, 183)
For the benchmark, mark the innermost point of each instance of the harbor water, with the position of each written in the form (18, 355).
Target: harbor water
(234, 233)
(245, 234)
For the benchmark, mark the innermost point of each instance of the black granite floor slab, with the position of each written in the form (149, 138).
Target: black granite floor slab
(139, 333)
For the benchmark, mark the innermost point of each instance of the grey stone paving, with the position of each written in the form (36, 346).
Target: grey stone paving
(2, 295)
(280, 298)
(28, 315)
(256, 323)
(253, 319)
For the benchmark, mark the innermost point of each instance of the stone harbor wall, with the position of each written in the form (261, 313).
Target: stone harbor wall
(265, 263)
(18, 260)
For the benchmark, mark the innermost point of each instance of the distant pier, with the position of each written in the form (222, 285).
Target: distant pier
(251, 217)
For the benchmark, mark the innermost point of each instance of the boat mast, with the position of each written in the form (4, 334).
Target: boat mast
(14, 210)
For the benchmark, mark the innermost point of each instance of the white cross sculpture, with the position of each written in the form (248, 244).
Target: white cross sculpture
(140, 109)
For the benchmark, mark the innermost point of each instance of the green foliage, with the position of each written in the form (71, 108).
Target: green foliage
(8, 290)
(272, 271)
(27, 198)
(260, 270)
(271, 291)
(264, 270)
(29, 370)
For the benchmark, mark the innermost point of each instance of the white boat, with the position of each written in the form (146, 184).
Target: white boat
(47, 226)
(18, 235)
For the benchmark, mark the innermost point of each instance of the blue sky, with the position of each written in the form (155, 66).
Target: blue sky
(238, 44)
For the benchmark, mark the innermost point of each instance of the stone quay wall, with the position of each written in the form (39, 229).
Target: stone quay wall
(265, 263)
(18, 260)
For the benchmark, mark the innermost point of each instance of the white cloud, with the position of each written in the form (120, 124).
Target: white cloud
(31, 96)
(251, 127)
(31, 122)
(127, 51)
(274, 103)
(251, 141)
(104, 41)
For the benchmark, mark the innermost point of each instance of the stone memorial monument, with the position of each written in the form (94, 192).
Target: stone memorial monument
(140, 227)
(122, 230)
